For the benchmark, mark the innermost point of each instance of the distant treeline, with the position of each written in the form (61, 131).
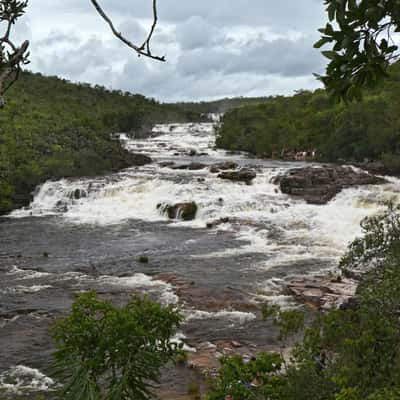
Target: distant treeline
(220, 106)
(51, 128)
(308, 121)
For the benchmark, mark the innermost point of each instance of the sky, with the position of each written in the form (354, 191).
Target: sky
(214, 48)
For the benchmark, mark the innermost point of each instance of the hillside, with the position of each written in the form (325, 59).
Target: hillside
(220, 106)
(51, 128)
(308, 121)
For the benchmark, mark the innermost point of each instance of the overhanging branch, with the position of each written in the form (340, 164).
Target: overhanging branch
(144, 49)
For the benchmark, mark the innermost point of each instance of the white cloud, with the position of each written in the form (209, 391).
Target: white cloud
(214, 48)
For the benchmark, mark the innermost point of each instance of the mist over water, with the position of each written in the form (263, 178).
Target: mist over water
(81, 234)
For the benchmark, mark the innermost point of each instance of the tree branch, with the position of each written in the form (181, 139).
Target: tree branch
(144, 49)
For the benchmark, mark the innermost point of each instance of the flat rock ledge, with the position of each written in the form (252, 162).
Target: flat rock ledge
(244, 175)
(319, 185)
(322, 292)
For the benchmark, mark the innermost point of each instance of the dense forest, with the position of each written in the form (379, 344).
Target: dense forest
(220, 106)
(308, 121)
(52, 128)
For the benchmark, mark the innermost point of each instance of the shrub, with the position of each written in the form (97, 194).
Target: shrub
(113, 353)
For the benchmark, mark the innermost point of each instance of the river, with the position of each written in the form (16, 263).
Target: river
(65, 243)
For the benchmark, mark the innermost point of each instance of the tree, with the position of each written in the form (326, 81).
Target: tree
(13, 57)
(361, 34)
(113, 353)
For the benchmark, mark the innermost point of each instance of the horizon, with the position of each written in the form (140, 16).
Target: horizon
(213, 51)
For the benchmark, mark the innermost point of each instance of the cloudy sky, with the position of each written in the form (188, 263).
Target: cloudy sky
(214, 48)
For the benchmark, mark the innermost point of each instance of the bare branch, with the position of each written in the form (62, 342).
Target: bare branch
(146, 43)
(143, 50)
(12, 57)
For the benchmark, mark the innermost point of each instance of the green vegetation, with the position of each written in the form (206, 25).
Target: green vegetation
(113, 353)
(310, 121)
(360, 32)
(52, 128)
(352, 353)
(221, 105)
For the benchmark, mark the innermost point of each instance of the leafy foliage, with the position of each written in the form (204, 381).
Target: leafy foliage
(12, 57)
(310, 121)
(52, 128)
(110, 353)
(360, 32)
(257, 379)
(351, 353)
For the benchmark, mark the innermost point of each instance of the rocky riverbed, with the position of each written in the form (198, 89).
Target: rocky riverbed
(219, 237)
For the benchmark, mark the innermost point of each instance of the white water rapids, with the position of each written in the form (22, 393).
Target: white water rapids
(95, 228)
(303, 230)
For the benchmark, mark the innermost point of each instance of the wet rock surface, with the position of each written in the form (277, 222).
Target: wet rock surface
(224, 166)
(323, 292)
(195, 166)
(319, 185)
(184, 211)
(257, 241)
(243, 175)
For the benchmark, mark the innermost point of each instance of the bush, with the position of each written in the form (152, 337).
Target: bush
(113, 353)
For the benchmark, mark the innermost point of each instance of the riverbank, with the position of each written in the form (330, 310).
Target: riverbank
(52, 128)
(247, 242)
(309, 123)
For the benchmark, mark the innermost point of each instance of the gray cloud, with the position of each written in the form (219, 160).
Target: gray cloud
(214, 48)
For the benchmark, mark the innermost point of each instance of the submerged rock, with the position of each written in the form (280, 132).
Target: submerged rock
(185, 211)
(166, 164)
(319, 185)
(243, 175)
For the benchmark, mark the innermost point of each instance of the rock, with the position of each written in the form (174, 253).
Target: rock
(224, 166)
(243, 175)
(166, 164)
(319, 185)
(323, 292)
(190, 167)
(143, 259)
(61, 206)
(184, 211)
(137, 159)
(192, 153)
(78, 194)
(214, 224)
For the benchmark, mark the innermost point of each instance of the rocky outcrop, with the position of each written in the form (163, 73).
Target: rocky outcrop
(323, 292)
(194, 166)
(224, 166)
(319, 185)
(185, 211)
(243, 175)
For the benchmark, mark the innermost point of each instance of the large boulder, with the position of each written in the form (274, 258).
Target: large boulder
(319, 185)
(243, 175)
(185, 211)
